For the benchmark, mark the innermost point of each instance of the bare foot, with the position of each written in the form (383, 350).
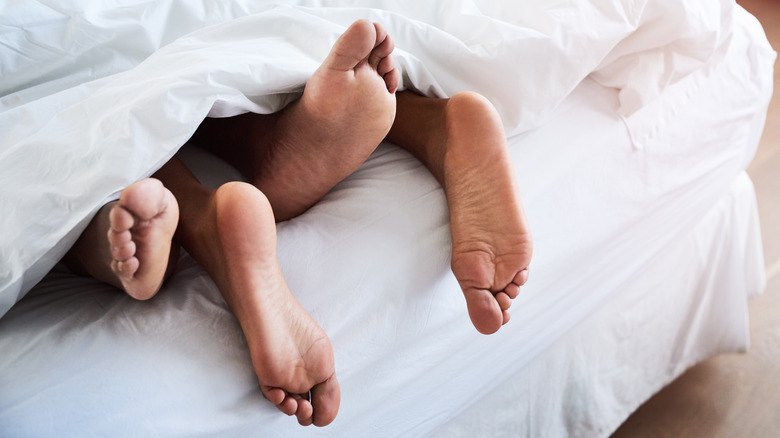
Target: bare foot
(491, 238)
(291, 354)
(346, 110)
(129, 243)
(462, 142)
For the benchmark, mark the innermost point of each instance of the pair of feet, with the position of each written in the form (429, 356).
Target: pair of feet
(351, 96)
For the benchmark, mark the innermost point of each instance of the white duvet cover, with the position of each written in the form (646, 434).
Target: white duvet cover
(96, 95)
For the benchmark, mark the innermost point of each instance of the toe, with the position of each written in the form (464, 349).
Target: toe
(392, 80)
(123, 252)
(325, 400)
(145, 199)
(119, 238)
(384, 44)
(385, 65)
(504, 301)
(512, 290)
(353, 47)
(125, 268)
(120, 219)
(274, 395)
(304, 413)
(484, 310)
(288, 406)
(383, 49)
(506, 317)
(521, 277)
(389, 73)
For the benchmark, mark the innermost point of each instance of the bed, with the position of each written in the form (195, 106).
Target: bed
(630, 125)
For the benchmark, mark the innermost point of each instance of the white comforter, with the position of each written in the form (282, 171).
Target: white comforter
(95, 97)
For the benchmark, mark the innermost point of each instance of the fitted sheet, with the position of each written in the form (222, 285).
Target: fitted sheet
(370, 263)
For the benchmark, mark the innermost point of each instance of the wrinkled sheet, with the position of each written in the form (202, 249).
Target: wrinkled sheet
(96, 96)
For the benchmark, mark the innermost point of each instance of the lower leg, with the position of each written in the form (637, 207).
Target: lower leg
(462, 142)
(420, 128)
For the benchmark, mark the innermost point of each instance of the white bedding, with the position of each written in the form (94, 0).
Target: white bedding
(95, 97)
(607, 187)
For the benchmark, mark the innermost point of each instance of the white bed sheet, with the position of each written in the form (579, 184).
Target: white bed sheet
(370, 263)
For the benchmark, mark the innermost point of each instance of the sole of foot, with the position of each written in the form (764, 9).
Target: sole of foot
(141, 228)
(291, 354)
(491, 238)
(346, 110)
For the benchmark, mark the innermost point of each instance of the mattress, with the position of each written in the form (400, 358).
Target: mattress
(614, 197)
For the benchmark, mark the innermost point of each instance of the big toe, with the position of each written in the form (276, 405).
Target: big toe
(353, 46)
(325, 400)
(484, 311)
(145, 199)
